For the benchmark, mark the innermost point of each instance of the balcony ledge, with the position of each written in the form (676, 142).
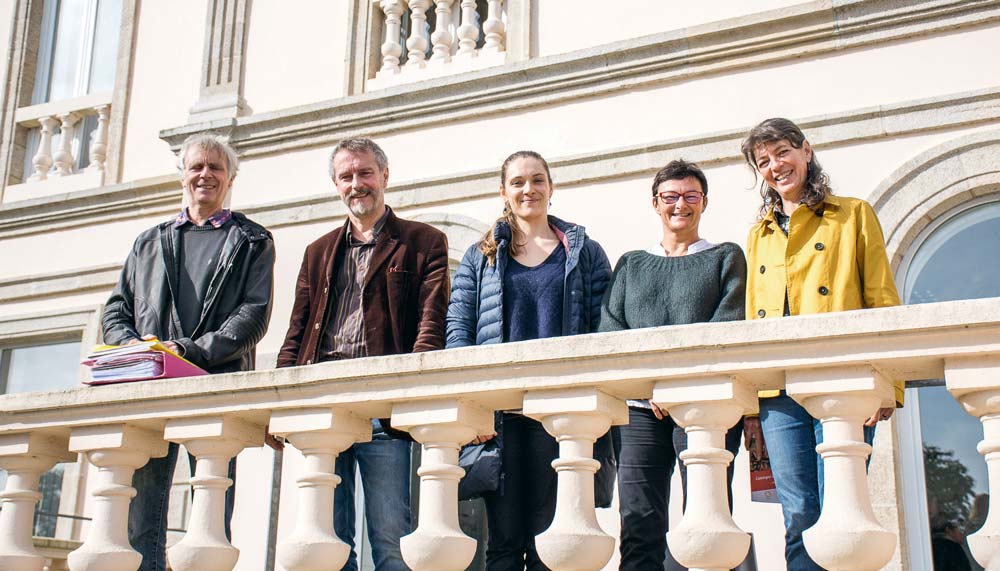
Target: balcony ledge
(908, 342)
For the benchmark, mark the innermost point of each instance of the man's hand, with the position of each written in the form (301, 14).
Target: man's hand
(884, 413)
(275, 442)
(753, 436)
(174, 347)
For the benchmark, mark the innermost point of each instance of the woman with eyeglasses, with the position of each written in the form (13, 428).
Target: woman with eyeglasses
(810, 252)
(682, 279)
(531, 276)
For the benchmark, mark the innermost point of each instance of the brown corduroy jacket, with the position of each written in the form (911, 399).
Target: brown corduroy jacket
(405, 294)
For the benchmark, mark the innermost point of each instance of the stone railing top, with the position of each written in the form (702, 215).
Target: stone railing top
(908, 342)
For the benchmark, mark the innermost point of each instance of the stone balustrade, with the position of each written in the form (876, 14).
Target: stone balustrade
(465, 35)
(839, 366)
(67, 117)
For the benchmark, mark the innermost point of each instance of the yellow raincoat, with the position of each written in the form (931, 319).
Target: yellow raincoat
(833, 259)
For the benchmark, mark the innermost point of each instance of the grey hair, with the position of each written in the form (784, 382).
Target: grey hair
(209, 142)
(359, 145)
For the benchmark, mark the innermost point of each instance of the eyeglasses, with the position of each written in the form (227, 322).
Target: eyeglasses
(693, 197)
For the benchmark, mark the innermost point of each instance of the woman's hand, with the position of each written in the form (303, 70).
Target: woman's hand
(753, 436)
(884, 413)
(483, 438)
(657, 411)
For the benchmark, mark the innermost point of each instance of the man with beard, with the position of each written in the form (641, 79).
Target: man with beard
(378, 285)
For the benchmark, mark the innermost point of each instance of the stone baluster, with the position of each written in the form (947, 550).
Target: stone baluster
(975, 383)
(42, 161)
(64, 156)
(576, 418)
(117, 450)
(25, 457)
(417, 42)
(391, 49)
(441, 38)
(99, 140)
(494, 28)
(214, 441)
(847, 535)
(441, 427)
(468, 32)
(707, 538)
(320, 435)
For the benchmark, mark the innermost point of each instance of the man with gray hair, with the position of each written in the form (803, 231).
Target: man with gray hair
(378, 285)
(201, 283)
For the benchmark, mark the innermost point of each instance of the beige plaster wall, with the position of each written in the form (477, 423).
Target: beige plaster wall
(841, 82)
(295, 56)
(6, 20)
(566, 25)
(165, 82)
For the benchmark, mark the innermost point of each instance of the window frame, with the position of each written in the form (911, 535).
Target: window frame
(21, 78)
(78, 323)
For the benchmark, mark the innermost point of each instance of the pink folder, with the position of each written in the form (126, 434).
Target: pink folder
(172, 367)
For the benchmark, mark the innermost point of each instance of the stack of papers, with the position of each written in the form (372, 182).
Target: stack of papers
(136, 362)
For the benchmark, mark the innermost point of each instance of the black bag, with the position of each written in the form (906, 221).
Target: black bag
(481, 463)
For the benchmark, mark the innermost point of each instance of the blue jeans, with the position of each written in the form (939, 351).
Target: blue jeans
(147, 513)
(385, 475)
(791, 436)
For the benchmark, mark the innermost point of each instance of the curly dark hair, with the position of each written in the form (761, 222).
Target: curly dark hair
(817, 185)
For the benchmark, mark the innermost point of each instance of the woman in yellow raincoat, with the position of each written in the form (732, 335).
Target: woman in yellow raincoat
(810, 252)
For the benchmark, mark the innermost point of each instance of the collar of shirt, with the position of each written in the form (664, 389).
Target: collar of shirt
(216, 220)
(699, 246)
(352, 241)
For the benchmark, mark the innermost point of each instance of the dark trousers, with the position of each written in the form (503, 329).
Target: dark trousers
(648, 449)
(147, 515)
(524, 505)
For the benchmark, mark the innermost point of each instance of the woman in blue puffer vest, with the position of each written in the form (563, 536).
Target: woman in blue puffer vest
(532, 276)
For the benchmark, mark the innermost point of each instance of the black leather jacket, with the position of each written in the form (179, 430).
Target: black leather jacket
(237, 304)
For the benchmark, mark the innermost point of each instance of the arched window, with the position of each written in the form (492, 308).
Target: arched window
(953, 258)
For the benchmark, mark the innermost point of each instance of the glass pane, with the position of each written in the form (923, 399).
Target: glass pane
(955, 472)
(30, 148)
(83, 135)
(69, 39)
(43, 367)
(47, 511)
(105, 57)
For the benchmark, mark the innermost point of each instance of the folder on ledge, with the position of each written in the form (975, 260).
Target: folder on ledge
(137, 362)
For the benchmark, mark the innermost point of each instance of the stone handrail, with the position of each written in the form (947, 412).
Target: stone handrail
(453, 41)
(841, 367)
(66, 115)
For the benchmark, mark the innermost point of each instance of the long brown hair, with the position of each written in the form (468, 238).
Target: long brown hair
(488, 245)
(817, 185)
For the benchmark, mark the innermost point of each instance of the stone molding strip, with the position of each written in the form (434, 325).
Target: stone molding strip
(161, 195)
(50, 325)
(155, 195)
(806, 30)
(72, 282)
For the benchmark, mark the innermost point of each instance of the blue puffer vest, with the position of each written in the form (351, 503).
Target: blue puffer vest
(475, 313)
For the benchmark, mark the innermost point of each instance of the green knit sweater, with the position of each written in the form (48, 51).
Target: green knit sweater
(649, 291)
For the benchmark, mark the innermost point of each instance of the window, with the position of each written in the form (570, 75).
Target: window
(952, 260)
(72, 91)
(41, 368)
